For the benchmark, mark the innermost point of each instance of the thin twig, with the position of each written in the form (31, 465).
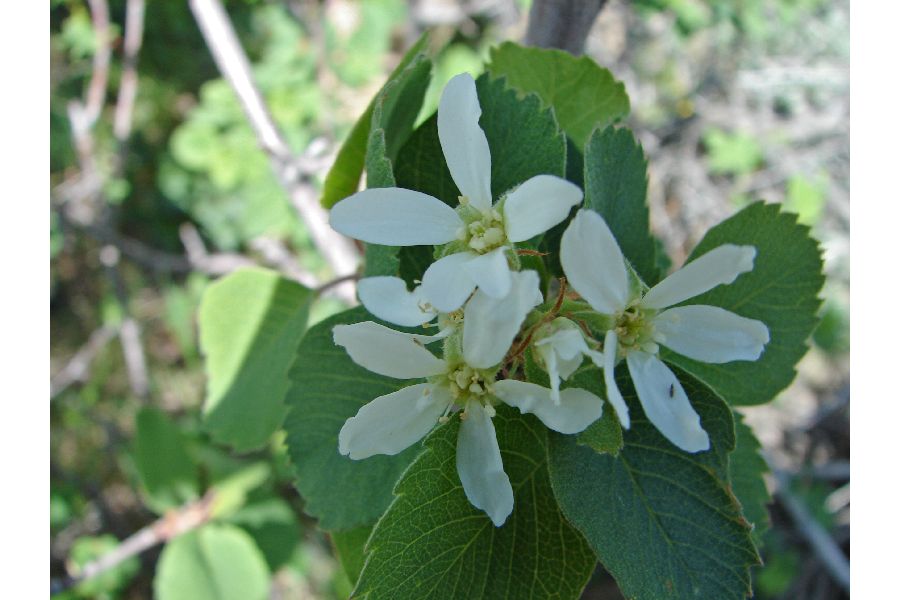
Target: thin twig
(223, 43)
(79, 366)
(826, 549)
(336, 282)
(169, 526)
(129, 330)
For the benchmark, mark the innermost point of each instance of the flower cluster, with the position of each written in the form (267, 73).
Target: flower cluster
(487, 310)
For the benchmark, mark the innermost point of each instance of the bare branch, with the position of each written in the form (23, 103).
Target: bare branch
(222, 41)
(563, 24)
(169, 526)
(134, 34)
(96, 92)
(819, 540)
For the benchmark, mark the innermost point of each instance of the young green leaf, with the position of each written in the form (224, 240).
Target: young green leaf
(328, 388)
(615, 185)
(343, 178)
(782, 291)
(661, 521)
(215, 562)
(746, 468)
(250, 324)
(583, 95)
(167, 472)
(393, 115)
(432, 543)
(604, 435)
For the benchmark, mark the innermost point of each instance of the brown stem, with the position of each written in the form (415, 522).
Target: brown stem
(563, 24)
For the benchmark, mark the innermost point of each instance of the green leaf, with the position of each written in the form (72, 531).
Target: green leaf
(660, 520)
(732, 153)
(215, 562)
(273, 526)
(782, 291)
(168, 474)
(603, 435)
(231, 490)
(615, 185)
(746, 468)
(250, 324)
(524, 138)
(349, 546)
(583, 95)
(327, 389)
(343, 178)
(393, 116)
(432, 543)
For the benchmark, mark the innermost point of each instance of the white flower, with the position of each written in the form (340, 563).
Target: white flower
(560, 347)
(481, 232)
(596, 269)
(389, 424)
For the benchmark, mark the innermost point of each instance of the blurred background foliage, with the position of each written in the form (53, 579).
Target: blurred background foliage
(733, 101)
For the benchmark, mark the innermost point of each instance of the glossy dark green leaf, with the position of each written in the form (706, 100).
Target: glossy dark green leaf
(167, 472)
(782, 291)
(663, 522)
(432, 543)
(615, 185)
(327, 389)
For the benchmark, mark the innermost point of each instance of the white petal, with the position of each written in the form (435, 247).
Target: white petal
(561, 352)
(447, 283)
(392, 423)
(552, 372)
(567, 343)
(388, 299)
(480, 466)
(491, 273)
(719, 266)
(537, 205)
(567, 366)
(593, 262)
(665, 402)
(576, 410)
(388, 352)
(395, 217)
(613, 395)
(711, 334)
(463, 141)
(491, 324)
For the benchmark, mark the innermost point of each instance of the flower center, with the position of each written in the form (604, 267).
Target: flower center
(483, 231)
(635, 330)
(466, 385)
(451, 319)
